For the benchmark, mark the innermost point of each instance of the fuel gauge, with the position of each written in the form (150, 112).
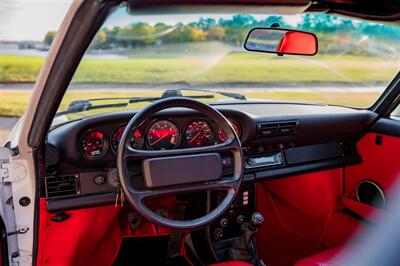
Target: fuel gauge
(93, 144)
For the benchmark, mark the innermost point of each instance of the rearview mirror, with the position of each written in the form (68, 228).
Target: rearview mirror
(281, 41)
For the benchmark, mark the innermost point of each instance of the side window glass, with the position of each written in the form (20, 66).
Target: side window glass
(396, 114)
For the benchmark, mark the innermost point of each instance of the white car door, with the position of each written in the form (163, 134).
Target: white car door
(13, 171)
(8, 240)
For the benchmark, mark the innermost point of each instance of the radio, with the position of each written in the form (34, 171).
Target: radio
(264, 160)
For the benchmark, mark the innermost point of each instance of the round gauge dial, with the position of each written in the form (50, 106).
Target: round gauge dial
(198, 133)
(93, 144)
(222, 135)
(136, 139)
(163, 135)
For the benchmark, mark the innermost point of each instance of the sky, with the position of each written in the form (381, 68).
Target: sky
(31, 19)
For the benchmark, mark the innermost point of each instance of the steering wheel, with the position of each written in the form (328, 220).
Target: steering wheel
(195, 169)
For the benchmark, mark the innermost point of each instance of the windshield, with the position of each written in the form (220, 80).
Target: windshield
(143, 56)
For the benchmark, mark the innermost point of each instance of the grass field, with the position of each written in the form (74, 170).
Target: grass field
(219, 68)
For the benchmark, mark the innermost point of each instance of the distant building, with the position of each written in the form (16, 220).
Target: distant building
(23, 45)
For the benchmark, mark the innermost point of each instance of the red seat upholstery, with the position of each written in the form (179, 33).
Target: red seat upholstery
(232, 263)
(327, 257)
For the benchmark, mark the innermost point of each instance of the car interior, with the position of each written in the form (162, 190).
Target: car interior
(312, 176)
(266, 183)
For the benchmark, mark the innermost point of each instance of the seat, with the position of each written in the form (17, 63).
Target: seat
(327, 257)
(232, 263)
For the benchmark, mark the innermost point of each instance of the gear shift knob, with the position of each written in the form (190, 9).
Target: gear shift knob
(257, 219)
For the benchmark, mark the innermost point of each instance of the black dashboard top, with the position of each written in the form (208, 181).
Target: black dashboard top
(314, 124)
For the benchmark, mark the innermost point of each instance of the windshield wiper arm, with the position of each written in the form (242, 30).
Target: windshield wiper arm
(168, 94)
(84, 108)
(86, 105)
(232, 95)
(78, 106)
(186, 86)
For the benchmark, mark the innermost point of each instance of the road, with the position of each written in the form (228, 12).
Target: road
(6, 124)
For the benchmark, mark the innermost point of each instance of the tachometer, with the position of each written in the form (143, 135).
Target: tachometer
(222, 135)
(93, 144)
(163, 135)
(136, 139)
(198, 133)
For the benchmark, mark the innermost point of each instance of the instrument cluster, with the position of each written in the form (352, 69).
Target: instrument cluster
(161, 134)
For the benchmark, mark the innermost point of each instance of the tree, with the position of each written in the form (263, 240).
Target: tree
(99, 40)
(143, 33)
(48, 39)
(206, 23)
(216, 33)
(197, 35)
(273, 19)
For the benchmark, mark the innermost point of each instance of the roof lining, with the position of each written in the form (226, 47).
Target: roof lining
(217, 9)
(378, 11)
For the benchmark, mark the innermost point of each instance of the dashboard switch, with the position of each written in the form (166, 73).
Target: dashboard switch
(99, 180)
(218, 233)
(224, 222)
(227, 162)
(240, 219)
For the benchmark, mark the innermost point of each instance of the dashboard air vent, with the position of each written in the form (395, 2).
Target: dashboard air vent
(62, 186)
(276, 129)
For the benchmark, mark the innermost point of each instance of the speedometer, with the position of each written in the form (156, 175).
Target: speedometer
(198, 133)
(136, 139)
(163, 135)
(93, 144)
(222, 135)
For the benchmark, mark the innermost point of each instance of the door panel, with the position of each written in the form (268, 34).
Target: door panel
(302, 214)
(379, 150)
(380, 164)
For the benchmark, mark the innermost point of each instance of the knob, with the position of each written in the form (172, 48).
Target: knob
(218, 233)
(251, 161)
(240, 219)
(257, 219)
(99, 180)
(224, 222)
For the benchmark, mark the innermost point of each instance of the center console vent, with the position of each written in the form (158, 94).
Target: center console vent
(276, 129)
(62, 186)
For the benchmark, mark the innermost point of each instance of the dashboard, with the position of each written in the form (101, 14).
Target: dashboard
(278, 140)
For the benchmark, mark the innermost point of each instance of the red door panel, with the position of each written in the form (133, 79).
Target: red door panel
(302, 214)
(380, 163)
